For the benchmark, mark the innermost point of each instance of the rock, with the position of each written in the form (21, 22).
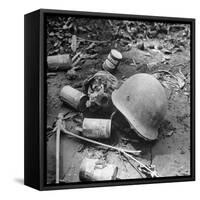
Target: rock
(152, 34)
(166, 51)
(151, 65)
(150, 46)
(170, 133)
(78, 85)
(182, 151)
(175, 28)
(159, 47)
(72, 74)
(167, 57)
(140, 46)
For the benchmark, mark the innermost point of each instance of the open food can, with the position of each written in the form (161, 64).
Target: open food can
(96, 170)
(73, 97)
(96, 128)
(112, 61)
(59, 62)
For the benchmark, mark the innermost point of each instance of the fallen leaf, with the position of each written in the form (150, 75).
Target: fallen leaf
(181, 82)
(140, 46)
(167, 57)
(74, 44)
(166, 51)
(91, 46)
(170, 133)
(51, 34)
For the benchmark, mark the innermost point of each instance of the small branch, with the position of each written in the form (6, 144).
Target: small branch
(139, 172)
(141, 164)
(165, 71)
(95, 41)
(124, 151)
(57, 154)
(99, 143)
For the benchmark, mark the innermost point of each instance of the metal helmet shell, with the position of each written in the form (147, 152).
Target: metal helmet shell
(142, 100)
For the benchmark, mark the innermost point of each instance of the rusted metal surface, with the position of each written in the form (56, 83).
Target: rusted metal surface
(97, 128)
(73, 97)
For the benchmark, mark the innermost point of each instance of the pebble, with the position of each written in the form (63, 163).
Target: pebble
(182, 151)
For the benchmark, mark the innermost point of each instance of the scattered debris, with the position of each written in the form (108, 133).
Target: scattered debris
(51, 74)
(126, 151)
(170, 133)
(182, 151)
(74, 43)
(175, 28)
(166, 57)
(159, 44)
(159, 47)
(151, 65)
(170, 80)
(70, 115)
(72, 74)
(152, 173)
(166, 51)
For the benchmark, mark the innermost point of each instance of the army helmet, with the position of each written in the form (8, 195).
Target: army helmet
(143, 102)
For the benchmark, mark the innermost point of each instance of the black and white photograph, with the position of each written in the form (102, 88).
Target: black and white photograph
(118, 99)
(99, 100)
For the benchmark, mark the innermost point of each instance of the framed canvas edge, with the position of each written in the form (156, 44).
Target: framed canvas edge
(44, 186)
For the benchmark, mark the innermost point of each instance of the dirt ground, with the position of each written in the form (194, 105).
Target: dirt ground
(170, 153)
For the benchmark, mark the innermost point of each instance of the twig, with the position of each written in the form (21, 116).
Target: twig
(139, 172)
(57, 154)
(59, 126)
(111, 147)
(95, 41)
(141, 164)
(99, 143)
(51, 74)
(165, 71)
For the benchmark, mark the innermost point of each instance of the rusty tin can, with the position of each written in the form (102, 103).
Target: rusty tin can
(59, 60)
(73, 97)
(96, 128)
(112, 61)
(95, 170)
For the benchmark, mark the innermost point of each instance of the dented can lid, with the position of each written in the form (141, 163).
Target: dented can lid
(116, 54)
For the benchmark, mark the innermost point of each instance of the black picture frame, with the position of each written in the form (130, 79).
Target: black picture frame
(35, 99)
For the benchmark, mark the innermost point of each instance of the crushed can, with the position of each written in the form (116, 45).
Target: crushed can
(95, 170)
(73, 97)
(96, 128)
(112, 61)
